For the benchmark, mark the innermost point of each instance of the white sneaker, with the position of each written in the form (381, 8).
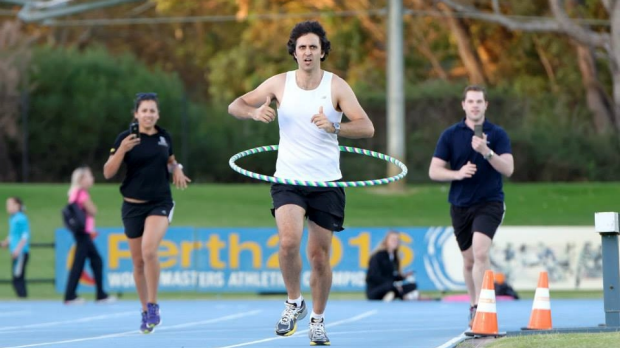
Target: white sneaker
(389, 297)
(109, 299)
(412, 296)
(317, 334)
(287, 325)
(76, 301)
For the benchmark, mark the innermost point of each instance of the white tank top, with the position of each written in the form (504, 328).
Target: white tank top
(307, 152)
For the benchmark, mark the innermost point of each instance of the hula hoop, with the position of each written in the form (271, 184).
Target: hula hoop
(356, 150)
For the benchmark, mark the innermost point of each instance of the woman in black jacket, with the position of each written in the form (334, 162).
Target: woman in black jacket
(384, 280)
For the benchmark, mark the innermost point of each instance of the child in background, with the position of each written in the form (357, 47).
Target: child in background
(18, 242)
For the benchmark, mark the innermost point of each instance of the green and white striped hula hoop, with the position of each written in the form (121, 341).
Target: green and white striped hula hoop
(356, 150)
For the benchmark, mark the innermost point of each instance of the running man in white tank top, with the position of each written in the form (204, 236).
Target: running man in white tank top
(310, 103)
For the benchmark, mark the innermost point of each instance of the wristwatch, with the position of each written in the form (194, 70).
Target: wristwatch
(172, 167)
(336, 127)
(489, 155)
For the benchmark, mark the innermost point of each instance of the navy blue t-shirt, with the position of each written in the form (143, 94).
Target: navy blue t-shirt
(454, 147)
(147, 175)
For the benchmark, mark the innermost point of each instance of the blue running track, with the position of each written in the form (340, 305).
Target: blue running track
(251, 323)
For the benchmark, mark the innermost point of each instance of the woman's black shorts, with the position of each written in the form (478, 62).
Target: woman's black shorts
(135, 214)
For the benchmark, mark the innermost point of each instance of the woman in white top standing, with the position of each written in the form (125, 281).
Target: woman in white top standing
(310, 102)
(81, 181)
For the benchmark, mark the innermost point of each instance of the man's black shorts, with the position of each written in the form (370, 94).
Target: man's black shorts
(135, 214)
(483, 217)
(324, 205)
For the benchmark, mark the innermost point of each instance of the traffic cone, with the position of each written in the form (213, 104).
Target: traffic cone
(541, 309)
(485, 321)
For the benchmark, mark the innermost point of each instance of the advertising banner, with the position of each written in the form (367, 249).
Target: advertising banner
(246, 259)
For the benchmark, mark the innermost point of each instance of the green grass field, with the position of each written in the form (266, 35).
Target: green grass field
(248, 205)
(582, 340)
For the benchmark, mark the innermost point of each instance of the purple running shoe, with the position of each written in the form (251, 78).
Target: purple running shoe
(153, 318)
(144, 328)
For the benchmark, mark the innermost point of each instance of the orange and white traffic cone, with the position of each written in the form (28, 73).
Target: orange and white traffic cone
(485, 321)
(541, 309)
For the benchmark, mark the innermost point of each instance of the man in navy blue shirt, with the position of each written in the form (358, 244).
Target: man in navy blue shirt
(474, 165)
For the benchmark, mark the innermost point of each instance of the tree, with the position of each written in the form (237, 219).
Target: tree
(468, 55)
(83, 99)
(587, 41)
(14, 60)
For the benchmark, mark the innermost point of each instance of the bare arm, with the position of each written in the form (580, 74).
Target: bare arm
(503, 163)
(359, 125)
(90, 207)
(172, 163)
(19, 247)
(23, 239)
(254, 105)
(110, 168)
(178, 176)
(438, 171)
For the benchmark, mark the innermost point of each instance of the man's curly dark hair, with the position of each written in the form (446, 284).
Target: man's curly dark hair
(304, 28)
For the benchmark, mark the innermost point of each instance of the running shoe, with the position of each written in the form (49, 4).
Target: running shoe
(144, 328)
(107, 299)
(76, 301)
(288, 323)
(472, 315)
(153, 318)
(317, 334)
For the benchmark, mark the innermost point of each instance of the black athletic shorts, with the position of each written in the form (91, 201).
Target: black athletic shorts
(483, 217)
(135, 214)
(324, 205)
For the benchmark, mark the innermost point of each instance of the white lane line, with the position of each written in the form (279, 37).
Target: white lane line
(135, 332)
(10, 314)
(453, 342)
(77, 340)
(336, 323)
(54, 323)
(387, 330)
(209, 321)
